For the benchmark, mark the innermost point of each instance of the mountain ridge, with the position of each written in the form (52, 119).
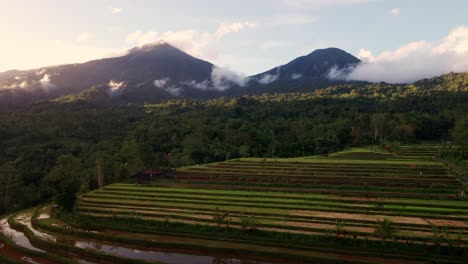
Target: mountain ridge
(160, 71)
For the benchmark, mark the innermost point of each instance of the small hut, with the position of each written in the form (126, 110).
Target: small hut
(150, 175)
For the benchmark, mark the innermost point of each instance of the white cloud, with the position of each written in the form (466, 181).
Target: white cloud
(173, 90)
(24, 84)
(223, 78)
(141, 38)
(116, 10)
(161, 83)
(338, 74)
(394, 12)
(296, 76)
(205, 85)
(115, 86)
(268, 78)
(456, 41)
(365, 55)
(40, 72)
(414, 61)
(196, 43)
(46, 83)
(225, 29)
(82, 37)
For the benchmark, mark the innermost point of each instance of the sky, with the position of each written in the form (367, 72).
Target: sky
(398, 40)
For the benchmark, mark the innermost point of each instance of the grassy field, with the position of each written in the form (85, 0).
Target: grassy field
(356, 206)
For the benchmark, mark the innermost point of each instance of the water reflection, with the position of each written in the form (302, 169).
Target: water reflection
(109, 248)
(166, 257)
(25, 219)
(17, 237)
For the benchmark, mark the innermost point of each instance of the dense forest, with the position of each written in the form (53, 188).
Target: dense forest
(53, 145)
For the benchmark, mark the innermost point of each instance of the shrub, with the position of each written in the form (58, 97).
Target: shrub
(220, 218)
(248, 223)
(385, 229)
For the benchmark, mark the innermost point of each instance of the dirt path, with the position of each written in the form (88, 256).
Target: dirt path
(373, 217)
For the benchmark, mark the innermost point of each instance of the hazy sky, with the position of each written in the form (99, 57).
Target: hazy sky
(248, 36)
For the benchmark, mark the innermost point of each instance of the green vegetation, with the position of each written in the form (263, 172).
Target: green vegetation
(385, 229)
(347, 173)
(123, 140)
(231, 208)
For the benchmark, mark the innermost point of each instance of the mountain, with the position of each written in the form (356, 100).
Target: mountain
(305, 73)
(153, 72)
(158, 72)
(316, 65)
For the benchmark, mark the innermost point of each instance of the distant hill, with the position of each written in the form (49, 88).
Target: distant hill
(160, 72)
(148, 73)
(314, 66)
(303, 74)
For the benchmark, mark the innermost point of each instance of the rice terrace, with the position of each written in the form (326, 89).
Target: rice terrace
(400, 207)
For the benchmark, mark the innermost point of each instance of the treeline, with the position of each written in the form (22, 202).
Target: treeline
(55, 146)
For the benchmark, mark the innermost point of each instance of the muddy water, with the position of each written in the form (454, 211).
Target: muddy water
(160, 256)
(25, 219)
(17, 237)
(130, 252)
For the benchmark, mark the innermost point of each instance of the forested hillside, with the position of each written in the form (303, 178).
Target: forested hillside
(53, 142)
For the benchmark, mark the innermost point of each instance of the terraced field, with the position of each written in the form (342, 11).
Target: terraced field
(359, 171)
(302, 210)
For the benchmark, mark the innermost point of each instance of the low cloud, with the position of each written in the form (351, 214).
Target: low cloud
(41, 72)
(413, 61)
(161, 83)
(46, 83)
(115, 87)
(173, 90)
(296, 76)
(24, 85)
(268, 78)
(223, 78)
(205, 85)
(164, 85)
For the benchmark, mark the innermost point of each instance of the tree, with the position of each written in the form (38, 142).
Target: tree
(460, 132)
(385, 229)
(132, 151)
(220, 217)
(67, 178)
(378, 123)
(8, 177)
(100, 173)
(248, 223)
